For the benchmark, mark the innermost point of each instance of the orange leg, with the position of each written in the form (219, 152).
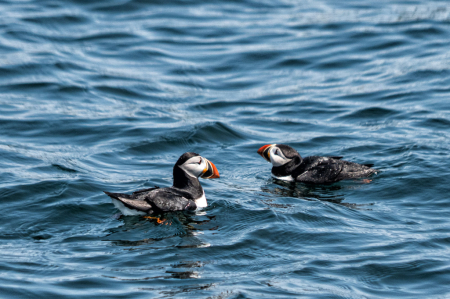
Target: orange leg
(157, 219)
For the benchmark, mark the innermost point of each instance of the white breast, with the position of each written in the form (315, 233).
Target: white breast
(287, 178)
(201, 201)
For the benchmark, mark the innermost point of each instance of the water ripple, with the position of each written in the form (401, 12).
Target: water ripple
(107, 95)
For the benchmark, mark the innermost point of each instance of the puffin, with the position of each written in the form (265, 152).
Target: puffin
(288, 165)
(186, 194)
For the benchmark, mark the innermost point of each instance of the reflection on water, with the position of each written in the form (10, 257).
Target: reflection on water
(186, 273)
(170, 231)
(177, 272)
(180, 290)
(333, 193)
(184, 225)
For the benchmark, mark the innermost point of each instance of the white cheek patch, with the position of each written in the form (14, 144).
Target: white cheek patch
(277, 160)
(192, 168)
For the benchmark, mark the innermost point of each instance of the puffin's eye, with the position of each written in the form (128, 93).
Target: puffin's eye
(276, 152)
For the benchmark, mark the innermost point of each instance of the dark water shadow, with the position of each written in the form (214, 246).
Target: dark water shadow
(189, 269)
(159, 228)
(169, 233)
(333, 193)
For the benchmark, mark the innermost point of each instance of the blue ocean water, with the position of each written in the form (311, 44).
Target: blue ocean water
(106, 95)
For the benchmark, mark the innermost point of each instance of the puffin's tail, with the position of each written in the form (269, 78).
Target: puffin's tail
(125, 199)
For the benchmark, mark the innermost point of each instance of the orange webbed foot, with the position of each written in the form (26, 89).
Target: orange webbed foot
(158, 220)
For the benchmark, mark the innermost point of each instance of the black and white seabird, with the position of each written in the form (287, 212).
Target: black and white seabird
(186, 194)
(288, 165)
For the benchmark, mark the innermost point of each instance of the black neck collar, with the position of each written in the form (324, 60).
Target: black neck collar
(185, 182)
(288, 168)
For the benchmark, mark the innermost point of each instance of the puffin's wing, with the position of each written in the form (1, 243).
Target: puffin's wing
(167, 200)
(353, 170)
(336, 157)
(144, 190)
(325, 171)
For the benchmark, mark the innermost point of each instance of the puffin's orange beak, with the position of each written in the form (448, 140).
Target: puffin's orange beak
(210, 171)
(264, 151)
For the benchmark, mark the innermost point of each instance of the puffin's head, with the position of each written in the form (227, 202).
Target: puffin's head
(278, 154)
(196, 166)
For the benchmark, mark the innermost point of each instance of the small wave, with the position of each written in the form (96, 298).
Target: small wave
(370, 113)
(215, 133)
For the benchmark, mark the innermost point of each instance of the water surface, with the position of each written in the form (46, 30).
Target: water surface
(106, 95)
